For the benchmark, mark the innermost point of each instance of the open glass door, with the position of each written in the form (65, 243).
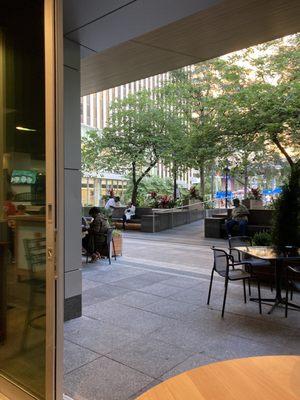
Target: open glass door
(27, 200)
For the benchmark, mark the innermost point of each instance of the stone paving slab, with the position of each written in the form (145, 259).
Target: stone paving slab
(76, 356)
(150, 356)
(98, 336)
(105, 379)
(125, 317)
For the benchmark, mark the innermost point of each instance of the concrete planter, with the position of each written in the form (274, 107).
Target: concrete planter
(253, 204)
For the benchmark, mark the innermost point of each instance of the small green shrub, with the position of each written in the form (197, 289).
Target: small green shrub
(117, 233)
(262, 239)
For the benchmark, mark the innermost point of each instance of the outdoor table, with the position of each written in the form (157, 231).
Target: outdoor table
(277, 259)
(255, 378)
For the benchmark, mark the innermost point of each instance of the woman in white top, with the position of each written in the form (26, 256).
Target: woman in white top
(129, 213)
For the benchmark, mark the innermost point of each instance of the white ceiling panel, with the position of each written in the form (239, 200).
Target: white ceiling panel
(126, 22)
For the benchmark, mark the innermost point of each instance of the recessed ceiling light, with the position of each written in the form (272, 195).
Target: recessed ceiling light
(22, 128)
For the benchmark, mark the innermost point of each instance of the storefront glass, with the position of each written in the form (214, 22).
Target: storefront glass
(22, 195)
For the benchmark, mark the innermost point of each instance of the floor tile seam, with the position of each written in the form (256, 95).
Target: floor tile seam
(128, 366)
(84, 347)
(152, 312)
(82, 366)
(155, 313)
(180, 347)
(145, 262)
(161, 297)
(168, 270)
(181, 362)
(105, 354)
(175, 245)
(194, 354)
(168, 267)
(173, 275)
(148, 304)
(129, 330)
(254, 340)
(146, 265)
(169, 240)
(177, 241)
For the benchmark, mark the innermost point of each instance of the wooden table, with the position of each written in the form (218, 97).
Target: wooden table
(277, 259)
(255, 378)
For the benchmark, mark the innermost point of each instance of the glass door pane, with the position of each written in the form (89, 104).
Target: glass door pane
(22, 195)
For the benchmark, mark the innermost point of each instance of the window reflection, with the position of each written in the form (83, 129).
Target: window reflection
(22, 196)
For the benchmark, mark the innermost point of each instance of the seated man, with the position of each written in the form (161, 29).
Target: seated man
(238, 217)
(95, 241)
(129, 213)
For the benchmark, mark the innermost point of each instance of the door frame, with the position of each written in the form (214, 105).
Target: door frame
(53, 40)
(55, 198)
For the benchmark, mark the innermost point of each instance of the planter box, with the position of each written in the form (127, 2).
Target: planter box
(118, 242)
(253, 204)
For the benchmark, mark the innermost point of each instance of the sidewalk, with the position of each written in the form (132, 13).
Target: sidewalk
(145, 318)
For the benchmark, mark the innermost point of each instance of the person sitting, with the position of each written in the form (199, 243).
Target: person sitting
(110, 203)
(95, 241)
(129, 213)
(239, 216)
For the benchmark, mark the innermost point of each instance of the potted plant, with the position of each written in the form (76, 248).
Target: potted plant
(117, 249)
(262, 239)
(254, 200)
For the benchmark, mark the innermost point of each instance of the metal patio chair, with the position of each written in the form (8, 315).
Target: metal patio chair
(292, 284)
(251, 262)
(225, 266)
(35, 253)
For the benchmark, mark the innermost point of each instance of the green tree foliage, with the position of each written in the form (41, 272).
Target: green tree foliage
(173, 97)
(286, 225)
(133, 141)
(266, 109)
(148, 185)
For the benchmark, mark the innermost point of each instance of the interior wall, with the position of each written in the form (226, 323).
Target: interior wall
(72, 165)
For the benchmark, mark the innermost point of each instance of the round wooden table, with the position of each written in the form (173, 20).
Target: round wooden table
(254, 378)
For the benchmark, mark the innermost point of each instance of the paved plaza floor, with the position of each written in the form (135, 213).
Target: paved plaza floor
(145, 318)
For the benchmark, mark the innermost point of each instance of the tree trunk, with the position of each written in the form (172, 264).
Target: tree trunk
(212, 183)
(88, 191)
(283, 150)
(134, 185)
(134, 194)
(246, 182)
(202, 181)
(174, 182)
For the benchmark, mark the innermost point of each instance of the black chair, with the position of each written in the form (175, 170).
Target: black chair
(224, 265)
(35, 253)
(292, 284)
(251, 262)
(110, 240)
(92, 246)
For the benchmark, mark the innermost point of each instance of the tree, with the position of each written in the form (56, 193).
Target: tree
(172, 97)
(133, 141)
(267, 107)
(202, 87)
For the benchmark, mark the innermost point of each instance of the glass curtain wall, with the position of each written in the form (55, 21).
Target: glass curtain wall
(22, 195)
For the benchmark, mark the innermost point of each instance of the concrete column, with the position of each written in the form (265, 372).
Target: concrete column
(72, 165)
(97, 191)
